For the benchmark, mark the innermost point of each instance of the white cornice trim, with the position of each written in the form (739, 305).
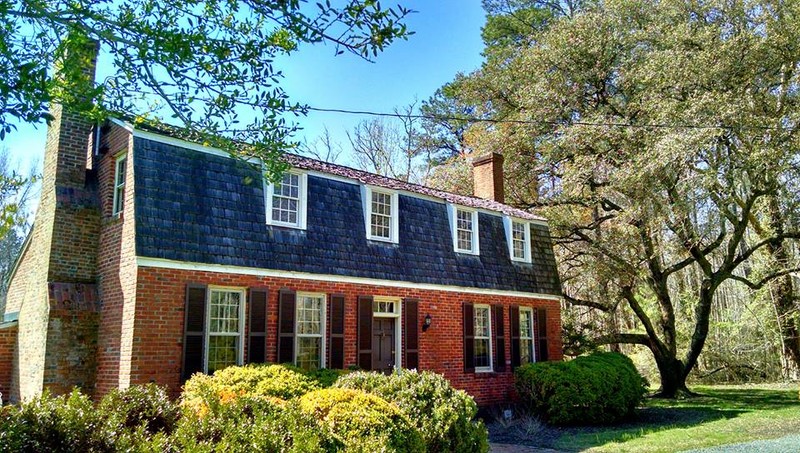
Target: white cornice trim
(142, 261)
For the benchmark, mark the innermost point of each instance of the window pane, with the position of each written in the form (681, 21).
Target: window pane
(526, 351)
(482, 327)
(309, 316)
(224, 312)
(518, 238)
(286, 199)
(481, 352)
(309, 351)
(222, 352)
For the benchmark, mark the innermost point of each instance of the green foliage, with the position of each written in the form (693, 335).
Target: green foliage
(325, 377)
(146, 406)
(250, 423)
(62, 424)
(444, 416)
(361, 421)
(255, 380)
(197, 63)
(596, 389)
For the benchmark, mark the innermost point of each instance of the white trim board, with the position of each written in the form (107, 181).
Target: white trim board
(142, 261)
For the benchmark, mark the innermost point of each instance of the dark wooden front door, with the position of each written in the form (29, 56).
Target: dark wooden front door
(383, 344)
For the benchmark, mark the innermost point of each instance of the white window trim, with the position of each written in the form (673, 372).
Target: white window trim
(398, 341)
(269, 188)
(207, 332)
(452, 215)
(323, 326)
(533, 331)
(119, 184)
(507, 222)
(490, 368)
(366, 203)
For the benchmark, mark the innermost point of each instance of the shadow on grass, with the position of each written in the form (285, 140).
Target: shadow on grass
(712, 404)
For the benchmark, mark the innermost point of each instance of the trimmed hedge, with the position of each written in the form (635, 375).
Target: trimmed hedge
(597, 389)
(444, 416)
(361, 421)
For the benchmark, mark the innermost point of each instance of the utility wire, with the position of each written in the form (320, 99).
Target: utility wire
(536, 122)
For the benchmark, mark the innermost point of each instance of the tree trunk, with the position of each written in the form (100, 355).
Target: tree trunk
(673, 378)
(783, 296)
(789, 322)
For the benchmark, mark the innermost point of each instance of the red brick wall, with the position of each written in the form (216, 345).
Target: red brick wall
(160, 294)
(116, 266)
(8, 343)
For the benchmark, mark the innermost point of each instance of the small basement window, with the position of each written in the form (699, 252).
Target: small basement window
(120, 169)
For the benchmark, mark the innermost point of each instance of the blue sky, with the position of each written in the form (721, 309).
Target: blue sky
(446, 41)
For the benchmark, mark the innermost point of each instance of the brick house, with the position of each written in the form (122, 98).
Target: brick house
(152, 258)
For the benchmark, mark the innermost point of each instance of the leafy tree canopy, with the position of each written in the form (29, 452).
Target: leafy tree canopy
(661, 138)
(207, 66)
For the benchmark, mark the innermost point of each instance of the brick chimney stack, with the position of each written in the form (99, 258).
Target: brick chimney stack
(53, 292)
(487, 177)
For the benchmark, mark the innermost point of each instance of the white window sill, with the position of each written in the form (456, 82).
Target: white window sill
(382, 239)
(468, 252)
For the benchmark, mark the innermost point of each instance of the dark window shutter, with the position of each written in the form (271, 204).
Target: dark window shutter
(337, 332)
(365, 332)
(499, 338)
(541, 334)
(286, 313)
(257, 344)
(411, 326)
(516, 356)
(469, 337)
(194, 330)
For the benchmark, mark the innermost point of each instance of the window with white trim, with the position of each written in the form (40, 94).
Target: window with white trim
(381, 214)
(518, 236)
(483, 338)
(286, 201)
(120, 168)
(466, 231)
(527, 352)
(225, 332)
(310, 329)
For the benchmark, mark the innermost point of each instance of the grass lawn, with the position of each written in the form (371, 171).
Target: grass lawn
(721, 415)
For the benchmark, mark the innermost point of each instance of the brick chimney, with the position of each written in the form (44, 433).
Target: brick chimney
(487, 177)
(53, 290)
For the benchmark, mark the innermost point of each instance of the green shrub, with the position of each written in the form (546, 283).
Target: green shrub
(256, 380)
(147, 406)
(362, 422)
(250, 423)
(49, 423)
(596, 389)
(325, 377)
(443, 415)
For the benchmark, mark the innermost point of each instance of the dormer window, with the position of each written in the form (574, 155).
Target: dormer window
(519, 239)
(286, 201)
(120, 167)
(381, 214)
(464, 227)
